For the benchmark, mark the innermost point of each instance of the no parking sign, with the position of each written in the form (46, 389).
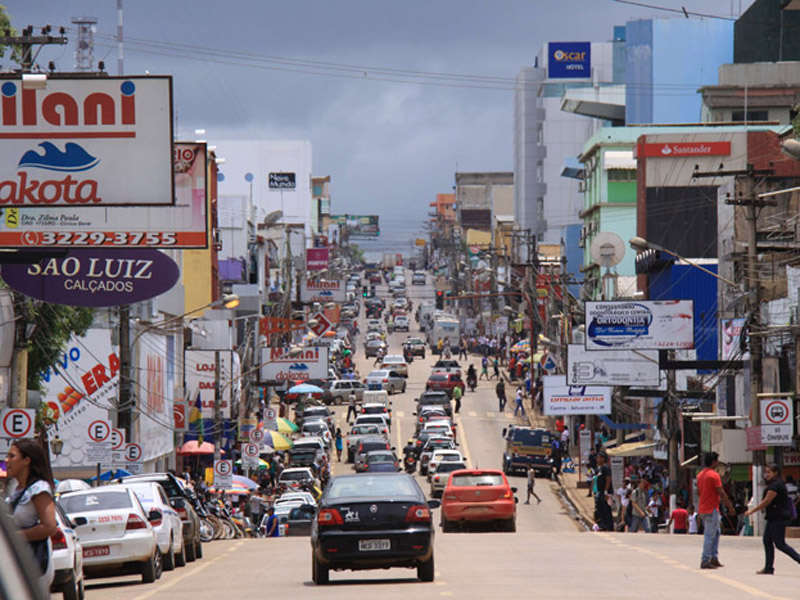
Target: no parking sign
(223, 474)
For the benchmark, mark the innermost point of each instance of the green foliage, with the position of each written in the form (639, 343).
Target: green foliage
(796, 122)
(50, 328)
(5, 24)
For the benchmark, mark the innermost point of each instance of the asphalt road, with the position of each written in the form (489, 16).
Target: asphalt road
(548, 557)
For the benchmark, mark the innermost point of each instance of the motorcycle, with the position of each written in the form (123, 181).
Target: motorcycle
(410, 462)
(472, 382)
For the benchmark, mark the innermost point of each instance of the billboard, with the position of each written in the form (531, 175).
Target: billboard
(277, 364)
(678, 149)
(569, 60)
(358, 225)
(563, 399)
(199, 374)
(731, 331)
(98, 277)
(87, 142)
(316, 259)
(183, 225)
(155, 394)
(612, 367)
(642, 325)
(79, 389)
(331, 290)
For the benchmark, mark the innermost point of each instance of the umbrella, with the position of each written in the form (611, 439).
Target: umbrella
(277, 441)
(192, 448)
(112, 474)
(244, 481)
(262, 464)
(304, 388)
(521, 346)
(71, 485)
(286, 426)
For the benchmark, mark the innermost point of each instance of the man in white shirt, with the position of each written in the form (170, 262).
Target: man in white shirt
(624, 501)
(565, 439)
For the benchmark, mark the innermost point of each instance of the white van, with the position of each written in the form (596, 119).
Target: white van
(377, 397)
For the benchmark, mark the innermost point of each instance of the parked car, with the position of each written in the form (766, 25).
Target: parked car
(315, 413)
(395, 362)
(445, 382)
(67, 558)
(116, 532)
(168, 529)
(317, 427)
(375, 521)
(338, 392)
(416, 346)
(384, 379)
(185, 502)
(442, 475)
(478, 495)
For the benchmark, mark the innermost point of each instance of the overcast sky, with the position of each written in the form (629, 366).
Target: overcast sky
(389, 146)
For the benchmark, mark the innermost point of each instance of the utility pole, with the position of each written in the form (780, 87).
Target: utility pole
(217, 410)
(27, 41)
(124, 405)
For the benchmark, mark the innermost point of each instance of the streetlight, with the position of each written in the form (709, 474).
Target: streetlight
(639, 243)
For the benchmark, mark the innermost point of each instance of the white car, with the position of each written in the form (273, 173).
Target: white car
(67, 558)
(383, 379)
(295, 498)
(115, 531)
(439, 479)
(441, 456)
(374, 325)
(169, 530)
(381, 420)
(395, 362)
(401, 323)
(439, 427)
(296, 477)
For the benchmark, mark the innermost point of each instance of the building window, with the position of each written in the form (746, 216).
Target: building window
(622, 175)
(752, 115)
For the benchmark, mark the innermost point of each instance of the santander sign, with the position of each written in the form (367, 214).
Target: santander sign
(681, 149)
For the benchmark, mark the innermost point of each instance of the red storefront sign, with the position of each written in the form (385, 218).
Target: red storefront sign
(681, 149)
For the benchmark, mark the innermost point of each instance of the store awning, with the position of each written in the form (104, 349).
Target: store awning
(633, 449)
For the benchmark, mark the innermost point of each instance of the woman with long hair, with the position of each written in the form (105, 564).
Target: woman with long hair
(776, 508)
(31, 500)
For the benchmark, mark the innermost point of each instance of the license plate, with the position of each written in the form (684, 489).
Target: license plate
(372, 545)
(96, 551)
(374, 386)
(478, 509)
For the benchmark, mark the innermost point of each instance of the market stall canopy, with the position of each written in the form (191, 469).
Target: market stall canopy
(633, 449)
(192, 448)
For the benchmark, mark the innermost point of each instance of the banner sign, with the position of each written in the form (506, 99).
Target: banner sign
(569, 60)
(563, 399)
(279, 365)
(358, 225)
(731, 331)
(282, 181)
(642, 325)
(777, 421)
(317, 259)
(683, 149)
(331, 290)
(612, 367)
(200, 379)
(183, 225)
(95, 141)
(95, 277)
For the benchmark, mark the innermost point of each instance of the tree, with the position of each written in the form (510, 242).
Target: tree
(5, 25)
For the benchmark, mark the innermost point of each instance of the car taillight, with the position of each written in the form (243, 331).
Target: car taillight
(385, 381)
(436, 478)
(136, 522)
(418, 513)
(183, 514)
(329, 516)
(59, 540)
(421, 420)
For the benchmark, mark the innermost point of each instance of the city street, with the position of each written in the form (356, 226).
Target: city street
(551, 554)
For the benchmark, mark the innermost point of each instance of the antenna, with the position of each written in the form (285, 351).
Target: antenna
(84, 45)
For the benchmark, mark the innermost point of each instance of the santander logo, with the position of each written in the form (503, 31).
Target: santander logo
(666, 150)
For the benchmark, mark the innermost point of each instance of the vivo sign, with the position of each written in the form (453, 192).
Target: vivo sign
(97, 278)
(322, 291)
(87, 142)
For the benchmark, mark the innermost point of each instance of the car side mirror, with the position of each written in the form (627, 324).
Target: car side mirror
(434, 504)
(516, 500)
(514, 490)
(393, 448)
(178, 503)
(155, 515)
(80, 521)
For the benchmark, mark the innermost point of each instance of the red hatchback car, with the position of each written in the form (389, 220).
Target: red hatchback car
(445, 382)
(479, 496)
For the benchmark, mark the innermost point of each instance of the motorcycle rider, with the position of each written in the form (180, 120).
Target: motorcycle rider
(410, 456)
(472, 377)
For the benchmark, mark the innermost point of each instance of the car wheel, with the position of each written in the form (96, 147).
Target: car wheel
(71, 589)
(198, 550)
(191, 552)
(511, 525)
(447, 527)
(180, 556)
(319, 574)
(168, 558)
(81, 590)
(159, 565)
(391, 390)
(425, 570)
(149, 568)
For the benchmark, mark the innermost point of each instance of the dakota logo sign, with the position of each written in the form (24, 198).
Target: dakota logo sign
(101, 277)
(87, 142)
(322, 291)
(685, 149)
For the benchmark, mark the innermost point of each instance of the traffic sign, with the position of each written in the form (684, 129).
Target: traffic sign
(98, 448)
(777, 422)
(223, 473)
(322, 326)
(133, 452)
(117, 439)
(250, 455)
(99, 431)
(257, 435)
(270, 420)
(17, 423)
(548, 362)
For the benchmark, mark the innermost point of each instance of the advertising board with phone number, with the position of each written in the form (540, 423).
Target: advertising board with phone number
(105, 238)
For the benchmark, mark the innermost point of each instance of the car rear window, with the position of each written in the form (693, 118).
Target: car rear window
(437, 378)
(365, 486)
(78, 503)
(376, 445)
(380, 458)
(294, 476)
(476, 479)
(449, 467)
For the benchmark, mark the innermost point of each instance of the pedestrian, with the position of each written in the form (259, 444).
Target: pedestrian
(693, 529)
(603, 514)
(518, 400)
(709, 488)
(531, 486)
(496, 368)
(457, 393)
(679, 516)
(351, 406)
(269, 524)
(777, 508)
(794, 498)
(500, 390)
(565, 438)
(640, 514)
(31, 502)
(462, 349)
(439, 346)
(623, 493)
(653, 507)
(339, 444)
(484, 368)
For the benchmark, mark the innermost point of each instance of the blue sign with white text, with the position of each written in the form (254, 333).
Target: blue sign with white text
(569, 60)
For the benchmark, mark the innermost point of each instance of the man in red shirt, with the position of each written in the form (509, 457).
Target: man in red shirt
(709, 488)
(680, 517)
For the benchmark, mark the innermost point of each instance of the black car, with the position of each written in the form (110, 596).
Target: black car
(185, 503)
(372, 521)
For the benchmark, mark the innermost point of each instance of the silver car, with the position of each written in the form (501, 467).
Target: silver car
(388, 380)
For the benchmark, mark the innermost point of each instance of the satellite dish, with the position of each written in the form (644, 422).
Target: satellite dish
(607, 249)
(791, 148)
(273, 217)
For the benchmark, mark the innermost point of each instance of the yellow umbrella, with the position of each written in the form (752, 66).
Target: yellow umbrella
(277, 440)
(286, 426)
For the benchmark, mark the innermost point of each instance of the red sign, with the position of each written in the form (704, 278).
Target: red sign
(179, 415)
(316, 259)
(670, 149)
(323, 324)
(754, 442)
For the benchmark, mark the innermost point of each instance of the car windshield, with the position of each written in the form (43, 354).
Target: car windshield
(362, 429)
(476, 479)
(438, 444)
(78, 503)
(294, 475)
(365, 486)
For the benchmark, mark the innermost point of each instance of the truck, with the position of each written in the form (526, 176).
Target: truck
(446, 327)
(389, 260)
(527, 446)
